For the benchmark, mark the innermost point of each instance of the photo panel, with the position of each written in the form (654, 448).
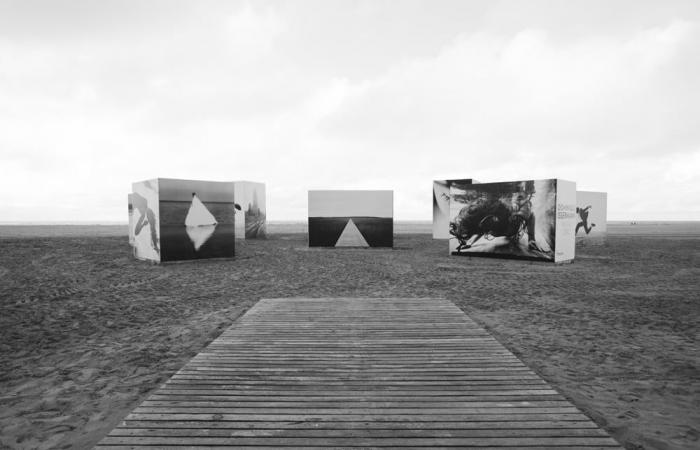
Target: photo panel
(514, 219)
(566, 221)
(351, 218)
(197, 219)
(145, 226)
(251, 221)
(592, 216)
(441, 205)
(131, 219)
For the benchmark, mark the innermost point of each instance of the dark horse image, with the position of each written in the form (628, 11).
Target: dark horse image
(488, 217)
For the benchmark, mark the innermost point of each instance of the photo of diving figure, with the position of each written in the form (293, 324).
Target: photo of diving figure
(583, 214)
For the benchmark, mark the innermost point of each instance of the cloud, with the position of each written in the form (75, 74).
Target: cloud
(89, 110)
(528, 106)
(530, 90)
(249, 29)
(319, 95)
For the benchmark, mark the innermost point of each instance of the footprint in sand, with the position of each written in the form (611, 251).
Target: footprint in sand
(692, 435)
(629, 398)
(629, 414)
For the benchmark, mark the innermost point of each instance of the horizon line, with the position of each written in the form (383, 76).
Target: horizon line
(280, 221)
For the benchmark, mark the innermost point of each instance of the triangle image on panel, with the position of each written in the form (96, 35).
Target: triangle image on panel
(351, 237)
(200, 223)
(198, 214)
(200, 235)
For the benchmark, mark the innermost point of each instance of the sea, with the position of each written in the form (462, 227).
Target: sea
(45, 230)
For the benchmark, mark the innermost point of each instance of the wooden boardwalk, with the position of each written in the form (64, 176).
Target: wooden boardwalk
(388, 373)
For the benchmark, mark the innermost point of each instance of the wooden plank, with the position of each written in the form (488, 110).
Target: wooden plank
(379, 373)
(419, 396)
(519, 441)
(354, 404)
(350, 417)
(317, 432)
(280, 425)
(312, 446)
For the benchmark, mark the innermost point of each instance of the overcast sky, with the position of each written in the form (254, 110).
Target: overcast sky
(347, 94)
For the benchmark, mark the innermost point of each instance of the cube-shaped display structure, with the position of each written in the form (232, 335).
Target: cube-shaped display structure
(530, 219)
(177, 220)
(251, 220)
(441, 205)
(592, 216)
(131, 219)
(351, 218)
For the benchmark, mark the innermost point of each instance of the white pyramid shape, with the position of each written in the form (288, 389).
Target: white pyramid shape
(199, 215)
(351, 237)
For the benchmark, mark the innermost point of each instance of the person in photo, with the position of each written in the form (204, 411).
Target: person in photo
(147, 217)
(583, 214)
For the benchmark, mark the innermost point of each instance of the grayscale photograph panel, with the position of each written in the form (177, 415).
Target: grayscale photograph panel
(507, 219)
(351, 219)
(441, 206)
(145, 222)
(197, 219)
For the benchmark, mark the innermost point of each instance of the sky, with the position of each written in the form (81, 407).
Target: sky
(355, 203)
(300, 95)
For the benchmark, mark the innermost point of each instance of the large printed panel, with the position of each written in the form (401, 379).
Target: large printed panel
(131, 219)
(566, 221)
(251, 221)
(441, 205)
(145, 223)
(351, 218)
(592, 215)
(514, 219)
(197, 219)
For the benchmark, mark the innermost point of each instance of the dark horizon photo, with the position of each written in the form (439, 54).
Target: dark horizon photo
(325, 231)
(351, 218)
(177, 245)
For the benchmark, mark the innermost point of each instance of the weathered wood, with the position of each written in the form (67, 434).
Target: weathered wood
(272, 415)
(350, 426)
(360, 432)
(418, 396)
(373, 373)
(316, 446)
(520, 441)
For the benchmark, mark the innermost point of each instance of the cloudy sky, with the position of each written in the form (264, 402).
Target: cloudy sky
(347, 94)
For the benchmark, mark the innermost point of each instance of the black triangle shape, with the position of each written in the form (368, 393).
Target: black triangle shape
(325, 231)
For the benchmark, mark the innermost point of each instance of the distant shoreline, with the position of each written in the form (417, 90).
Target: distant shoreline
(273, 222)
(658, 229)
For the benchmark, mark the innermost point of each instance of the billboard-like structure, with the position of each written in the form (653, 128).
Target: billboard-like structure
(251, 222)
(145, 224)
(176, 220)
(441, 206)
(131, 219)
(530, 219)
(592, 216)
(351, 218)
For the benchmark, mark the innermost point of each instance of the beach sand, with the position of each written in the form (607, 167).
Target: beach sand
(86, 332)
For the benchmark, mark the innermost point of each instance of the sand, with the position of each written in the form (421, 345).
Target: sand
(86, 332)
